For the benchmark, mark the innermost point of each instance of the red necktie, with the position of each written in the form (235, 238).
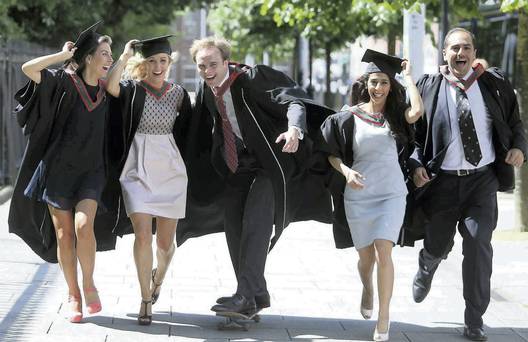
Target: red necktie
(230, 151)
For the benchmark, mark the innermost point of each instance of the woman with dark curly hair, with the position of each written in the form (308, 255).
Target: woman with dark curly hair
(365, 144)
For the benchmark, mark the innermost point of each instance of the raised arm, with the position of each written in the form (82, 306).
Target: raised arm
(33, 67)
(416, 110)
(112, 85)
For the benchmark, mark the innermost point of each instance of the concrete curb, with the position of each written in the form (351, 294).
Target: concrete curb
(5, 193)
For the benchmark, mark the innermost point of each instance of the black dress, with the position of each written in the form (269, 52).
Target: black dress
(76, 170)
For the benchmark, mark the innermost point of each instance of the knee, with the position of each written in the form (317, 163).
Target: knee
(144, 239)
(367, 260)
(384, 256)
(65, 236)
(83, 230)
(164, 245)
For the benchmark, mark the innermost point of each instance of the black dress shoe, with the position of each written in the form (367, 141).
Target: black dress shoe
(223, 300)
(422, 283)
(262, 301)
(475, 334)
(237, 303)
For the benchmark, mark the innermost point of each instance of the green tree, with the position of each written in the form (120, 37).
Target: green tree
(250, 31)
(51, 22)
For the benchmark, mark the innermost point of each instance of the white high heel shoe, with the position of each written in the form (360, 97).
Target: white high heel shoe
(366, 313)
(381, 336)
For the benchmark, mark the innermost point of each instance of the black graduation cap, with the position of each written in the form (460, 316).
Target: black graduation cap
(380, 62)
(87, 40)
(152, 46)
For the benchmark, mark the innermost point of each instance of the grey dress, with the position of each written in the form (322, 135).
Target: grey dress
(154, 178)
(377, 210)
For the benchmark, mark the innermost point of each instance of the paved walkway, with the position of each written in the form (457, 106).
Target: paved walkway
(315, 293)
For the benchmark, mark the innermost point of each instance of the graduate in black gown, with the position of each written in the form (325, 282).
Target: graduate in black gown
(150, 172)
(249, 155)
(63, 172)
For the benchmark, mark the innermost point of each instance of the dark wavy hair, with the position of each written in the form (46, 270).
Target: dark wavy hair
(394, 108)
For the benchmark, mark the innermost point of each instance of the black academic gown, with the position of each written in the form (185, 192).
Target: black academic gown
(261, 97)
(42, 111)
(508, 130)
(337, 140)
(433, 134)
(126, 112)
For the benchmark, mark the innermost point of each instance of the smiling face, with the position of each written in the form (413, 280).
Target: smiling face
(211, 66)
(100, 61)
(459, 53)
(157, 67)
(378, 86)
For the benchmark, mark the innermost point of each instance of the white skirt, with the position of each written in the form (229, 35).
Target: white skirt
(154, 178)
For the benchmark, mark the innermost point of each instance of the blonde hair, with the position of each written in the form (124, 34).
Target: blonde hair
(211, 42)
(136, 68)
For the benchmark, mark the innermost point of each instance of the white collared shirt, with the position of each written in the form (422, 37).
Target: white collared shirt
(454, 158)
(230, 109)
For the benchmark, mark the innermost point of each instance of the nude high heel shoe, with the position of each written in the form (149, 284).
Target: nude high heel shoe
(74, 315)
(94, 306)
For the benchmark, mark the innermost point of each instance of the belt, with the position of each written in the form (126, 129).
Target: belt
(462, 173)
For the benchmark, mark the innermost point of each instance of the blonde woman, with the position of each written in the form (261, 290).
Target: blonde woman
(153, 176)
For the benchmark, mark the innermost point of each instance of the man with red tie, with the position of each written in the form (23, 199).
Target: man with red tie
(249, 154)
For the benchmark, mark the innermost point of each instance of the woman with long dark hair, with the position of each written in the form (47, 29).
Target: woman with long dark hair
(366, 145)
(64, 110)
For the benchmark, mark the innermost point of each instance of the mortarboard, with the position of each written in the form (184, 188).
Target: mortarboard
(87, 40)
(152, 46)
(380, 62)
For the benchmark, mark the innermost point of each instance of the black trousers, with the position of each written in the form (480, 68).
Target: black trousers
(471, 203)
(249, 216)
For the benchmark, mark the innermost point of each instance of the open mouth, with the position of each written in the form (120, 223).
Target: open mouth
(106, 67)
(460, 64)
(157, 73)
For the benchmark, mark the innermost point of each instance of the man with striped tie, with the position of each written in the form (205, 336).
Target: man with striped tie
(467, 144)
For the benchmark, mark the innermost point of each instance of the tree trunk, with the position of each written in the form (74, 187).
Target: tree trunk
(521, 189)
(296, 61)
(310, 89)
(391, 43)
(328, 58)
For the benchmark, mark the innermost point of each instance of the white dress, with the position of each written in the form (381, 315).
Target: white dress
(154, 178)
(377, 210)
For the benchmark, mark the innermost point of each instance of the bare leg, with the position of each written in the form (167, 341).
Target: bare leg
(367, 258)
(165, 233)
(86, 246)
(385, 281)
(65, 232)
(142, 224)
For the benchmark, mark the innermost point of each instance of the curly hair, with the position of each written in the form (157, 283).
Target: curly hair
(136, 68)
(395, 107)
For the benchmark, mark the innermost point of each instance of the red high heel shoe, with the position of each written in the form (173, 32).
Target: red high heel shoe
(74, 303)
(95, 306)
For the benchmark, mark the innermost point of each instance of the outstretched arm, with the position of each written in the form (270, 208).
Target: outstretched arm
(33, 67)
